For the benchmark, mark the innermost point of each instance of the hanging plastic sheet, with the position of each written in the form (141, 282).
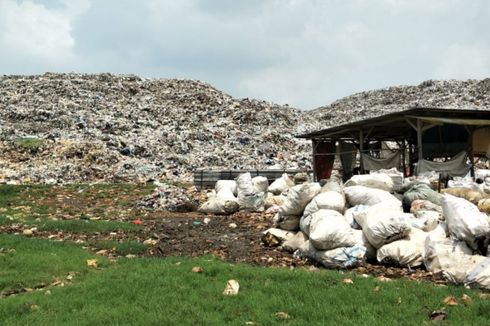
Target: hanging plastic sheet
(455, 167)
(347, 154)
(324, 159)
(375, 164)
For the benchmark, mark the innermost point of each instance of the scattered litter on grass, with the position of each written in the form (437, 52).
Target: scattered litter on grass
(438, 315)
(281, 315)
(92, 263)
(450, 301)
(197, 269)
(231, 288)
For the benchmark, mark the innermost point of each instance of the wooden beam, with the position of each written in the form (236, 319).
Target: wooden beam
(404, 166)
(419, 139)
(361, 149)
(413, 125)
(314, 144)
(470, 151)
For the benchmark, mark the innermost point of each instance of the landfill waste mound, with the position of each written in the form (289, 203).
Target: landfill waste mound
(102, 127)
(448, 94)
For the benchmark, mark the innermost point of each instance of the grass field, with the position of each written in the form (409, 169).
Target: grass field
(52, 284)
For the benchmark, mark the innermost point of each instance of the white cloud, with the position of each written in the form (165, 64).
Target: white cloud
(303, 52)
(34, 33)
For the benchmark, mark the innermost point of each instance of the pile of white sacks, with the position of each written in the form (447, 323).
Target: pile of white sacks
(342, 226)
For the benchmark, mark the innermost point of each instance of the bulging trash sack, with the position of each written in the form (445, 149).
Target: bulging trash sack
(420, 191)
(360, 195)
(326, 200)
(219, 206)
(405, 252)
(329, 230)
(230, 185)
(274, 201)
(245, 185)
(252, 203)
(281, 184)
(452, 258)
(382, 226)
(286, 222)
(362, 241)
(248, 198)
(395, 175)
(349, 215)
(295, 242)
(486, 185)
(471, 195)
(484, 205)
(426, 220)
(362, 211)
(333, 186)
(479, 275)
(304, 224)
(260, 184)
(343, 257)
(464, 220)
(377, 181)
(298, 197)
(424, 205)
(226, 194)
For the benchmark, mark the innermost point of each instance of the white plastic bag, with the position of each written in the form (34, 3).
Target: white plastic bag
(395, 175)
(385, 226)
(361, 240)
(326, 200)
(377, 181)
(360, 195)
(286, 222)
(343, 257)
(404, 252)
(230, 185)
(281, 184)
(260, 184)
(349, 215)
(245, 185)
(217, 205)
(362, 211)
(274, 201)
(298, 197)
(479, 275)
(453, 258)
(329, 230)
(464, 220)
(425, 220)
(252, 203)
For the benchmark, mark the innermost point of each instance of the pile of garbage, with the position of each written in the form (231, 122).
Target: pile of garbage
(171, 198)
(444, 94)
(104, 127)
(379, 217)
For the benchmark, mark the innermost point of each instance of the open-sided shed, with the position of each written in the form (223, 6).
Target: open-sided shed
(460, 122)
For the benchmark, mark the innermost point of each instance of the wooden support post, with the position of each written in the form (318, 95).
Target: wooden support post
(313, 145)
(470, 130)
(361, 149)
(404, 166)
(419, 140)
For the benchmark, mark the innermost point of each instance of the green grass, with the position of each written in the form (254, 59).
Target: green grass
(26, 262)
(29, 143)
(122, 248)
(146, 291)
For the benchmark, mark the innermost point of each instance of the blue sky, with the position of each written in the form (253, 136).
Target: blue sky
(305, 53)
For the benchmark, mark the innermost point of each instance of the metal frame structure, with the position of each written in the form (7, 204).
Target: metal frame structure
(406, 128)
